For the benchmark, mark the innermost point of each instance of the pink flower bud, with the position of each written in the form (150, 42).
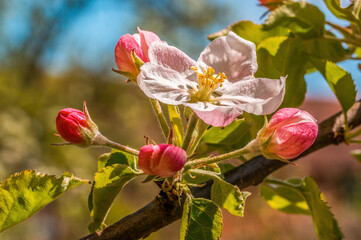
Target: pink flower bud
(271, 4)
(164, 160)
(139, 43)
(76, 126)
(288, 134)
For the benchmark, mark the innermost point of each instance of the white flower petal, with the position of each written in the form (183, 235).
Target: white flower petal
(163, 84)
(232, 55)
(217, 116)
(170, 57)
(260, 96)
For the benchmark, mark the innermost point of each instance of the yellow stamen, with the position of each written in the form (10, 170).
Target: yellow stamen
(208, 82)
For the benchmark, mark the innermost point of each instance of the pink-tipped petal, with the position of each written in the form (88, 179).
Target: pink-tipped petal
(232, 55)
(260, 96)
(123, 57)
(220, 116)
(162, 54)
(146, 38)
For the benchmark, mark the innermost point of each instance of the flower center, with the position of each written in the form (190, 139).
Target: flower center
(208, 82)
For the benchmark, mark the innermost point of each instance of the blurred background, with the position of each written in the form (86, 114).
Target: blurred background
(54, 54)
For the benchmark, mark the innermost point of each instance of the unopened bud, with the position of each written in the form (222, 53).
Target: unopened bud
(288, 134)
(164, 160)
(131, 52)
(76, 126)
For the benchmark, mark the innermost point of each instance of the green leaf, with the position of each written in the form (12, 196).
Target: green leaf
(302, 196)
(284, 198)
(227, 135)
(225, 167)
(24, 194)
(107, 184)
(116, 157)
(343, 13)
(272, 44)
(251, 31)
(356, 154)
(302, 18)
(339, 80)
(175, 118)
(289, 60)
(224, 194)
(228, 196)
(201, 220)
(325, 49)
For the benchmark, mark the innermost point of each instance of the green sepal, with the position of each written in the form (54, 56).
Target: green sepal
(137, 61)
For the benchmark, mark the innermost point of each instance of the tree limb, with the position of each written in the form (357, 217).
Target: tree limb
(163, 211)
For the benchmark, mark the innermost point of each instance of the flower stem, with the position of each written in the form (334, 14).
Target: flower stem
(350, 41)
(202, 127)
(100, 140)
(160, 116)
(353, 134)
(191, 126)
(251, 148)
(122, 148)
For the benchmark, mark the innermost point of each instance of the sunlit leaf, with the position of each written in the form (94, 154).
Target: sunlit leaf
(302, 196)
(116, 157)
(279, 56)
(229, 197)
(272, 44)
(24, 194)
(201, 220)
(227, 135)
(284, 198)
(107, 184)
(356, 154)
(339, 80)
(302, 18)
(224, 194)
(251, 31)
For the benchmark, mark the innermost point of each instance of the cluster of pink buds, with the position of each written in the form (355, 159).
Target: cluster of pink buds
(163, 160)
(131, 52)
(288, 134)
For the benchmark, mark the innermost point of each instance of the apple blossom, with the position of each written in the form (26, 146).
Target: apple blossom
(164, 160)
(288, 134)
(218, 86)
(133, 48)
